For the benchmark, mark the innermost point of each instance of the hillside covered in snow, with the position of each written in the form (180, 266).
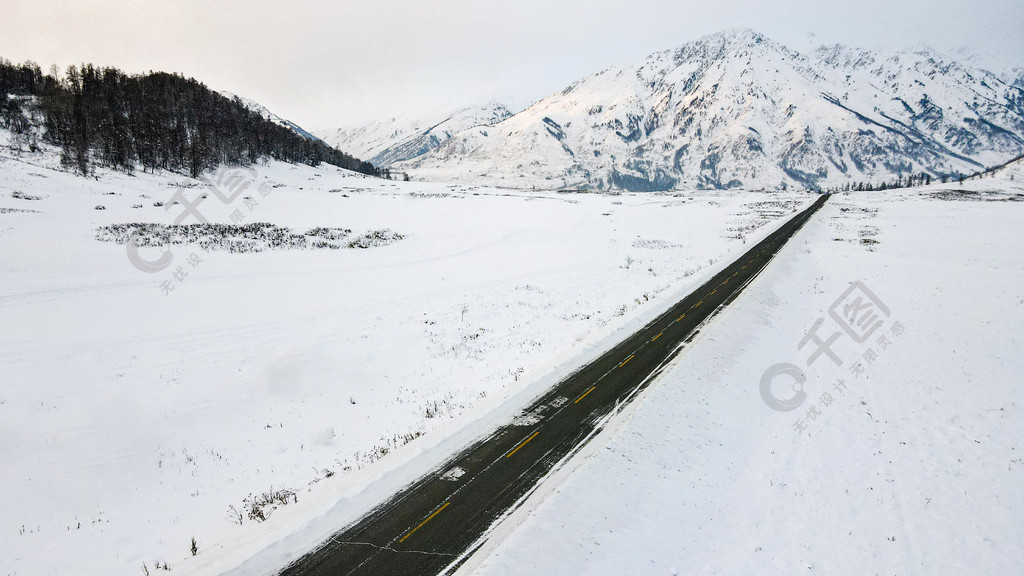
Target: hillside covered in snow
(101, 116)
(737, 109)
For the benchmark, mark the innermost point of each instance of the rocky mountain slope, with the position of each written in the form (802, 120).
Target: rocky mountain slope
(737, 109)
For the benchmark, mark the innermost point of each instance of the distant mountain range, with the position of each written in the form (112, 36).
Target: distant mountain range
(396, 140)
(734, 109)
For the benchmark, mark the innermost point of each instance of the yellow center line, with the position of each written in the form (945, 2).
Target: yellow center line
(744, 267)
(680, 317)
(583, 396)
(656, 337)
(713, 292)
(726, 281)
(698, 303)
(521, 444)
(429, 518)
(626, 360)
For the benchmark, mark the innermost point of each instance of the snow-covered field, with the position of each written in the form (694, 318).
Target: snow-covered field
(912, 464)
(139, 410)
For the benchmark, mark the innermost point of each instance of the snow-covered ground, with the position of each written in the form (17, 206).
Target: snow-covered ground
(141, 409)
(912, 464)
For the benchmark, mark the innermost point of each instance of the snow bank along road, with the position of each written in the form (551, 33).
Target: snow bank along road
(433, 525)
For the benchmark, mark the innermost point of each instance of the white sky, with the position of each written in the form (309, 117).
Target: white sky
(324, 64)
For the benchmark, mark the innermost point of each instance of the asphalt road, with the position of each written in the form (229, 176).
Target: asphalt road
(432, 526)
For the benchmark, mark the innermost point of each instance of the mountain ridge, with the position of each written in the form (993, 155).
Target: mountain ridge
(738, 109)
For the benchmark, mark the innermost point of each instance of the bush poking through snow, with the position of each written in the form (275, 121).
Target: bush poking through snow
(260, 506)
(329, 233)
(443, 407)
(376, 238)
(235, 515)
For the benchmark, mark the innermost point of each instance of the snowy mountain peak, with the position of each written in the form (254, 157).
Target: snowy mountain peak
(723, 45)
(731, 38)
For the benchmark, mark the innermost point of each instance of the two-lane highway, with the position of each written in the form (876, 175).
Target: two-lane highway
(432, 525)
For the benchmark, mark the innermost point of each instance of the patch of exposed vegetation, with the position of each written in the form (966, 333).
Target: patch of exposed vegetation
(242, 238)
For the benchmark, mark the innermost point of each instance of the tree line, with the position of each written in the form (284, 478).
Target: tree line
(922, 179)
(102, 116)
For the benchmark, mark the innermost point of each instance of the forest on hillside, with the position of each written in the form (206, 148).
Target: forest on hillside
(156, 120)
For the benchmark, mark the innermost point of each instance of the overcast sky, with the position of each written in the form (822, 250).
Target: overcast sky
(324, 64)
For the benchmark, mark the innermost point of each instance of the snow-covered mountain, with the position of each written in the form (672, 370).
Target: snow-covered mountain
(268, 115)
(396, 139)
(737, 109)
